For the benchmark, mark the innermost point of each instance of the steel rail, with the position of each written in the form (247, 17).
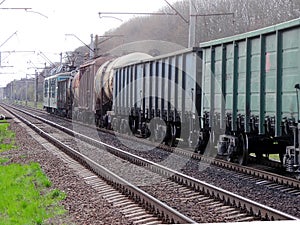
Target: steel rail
(255, 208)
(152, 204)
(269, 176)
(276, 178)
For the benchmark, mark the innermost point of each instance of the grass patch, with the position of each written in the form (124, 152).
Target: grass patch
(26, 197)
(2, 161)
(274, 157)
(7, 137)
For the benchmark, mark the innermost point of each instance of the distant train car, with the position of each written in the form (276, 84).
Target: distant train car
(92, 87)
(83, 89)
(249, 101)
(57, 94)
(159, 97)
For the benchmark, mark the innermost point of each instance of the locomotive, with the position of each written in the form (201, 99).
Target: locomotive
(57, 92)
(230, 97)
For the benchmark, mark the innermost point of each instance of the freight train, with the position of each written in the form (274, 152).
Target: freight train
(234, 96)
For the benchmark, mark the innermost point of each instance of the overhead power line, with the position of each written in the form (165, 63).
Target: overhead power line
(15, 8)
(8, 38)
(2, 2)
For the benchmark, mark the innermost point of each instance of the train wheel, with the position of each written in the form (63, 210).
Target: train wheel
(173, 135)
(132, 125)
(211, 149)
(147, 132)
(177, 134)
(242, 151)
(124, 126)
(153, 131)
(258, 156)
(203, 141)
(158, 134)
(193, 142)
(281, 157)
(170, 135)
(115, 124)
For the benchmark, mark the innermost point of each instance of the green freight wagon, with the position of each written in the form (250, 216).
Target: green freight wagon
(249, 94)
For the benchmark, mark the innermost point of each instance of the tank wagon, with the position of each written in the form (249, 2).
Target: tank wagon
(92, 87)
(103, 84)
(249, 103)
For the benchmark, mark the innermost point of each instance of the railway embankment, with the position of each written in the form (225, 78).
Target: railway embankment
(80, 205)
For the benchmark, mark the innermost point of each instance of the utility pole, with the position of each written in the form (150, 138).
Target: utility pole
(192, 26)
(11, 91)
(36, 86)
(36, 83)
(191, 22)
(26, 90)
(92, 47)
(96, 45)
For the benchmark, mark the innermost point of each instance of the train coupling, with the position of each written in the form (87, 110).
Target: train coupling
(291, 159)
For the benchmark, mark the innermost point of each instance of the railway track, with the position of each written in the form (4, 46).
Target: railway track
(136, 205)
(192, 190)
(132, 211)
(261, 175)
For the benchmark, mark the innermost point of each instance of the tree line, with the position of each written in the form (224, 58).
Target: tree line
(214, 19)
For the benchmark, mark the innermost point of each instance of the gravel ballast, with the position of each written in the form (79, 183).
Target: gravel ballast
(83, 204)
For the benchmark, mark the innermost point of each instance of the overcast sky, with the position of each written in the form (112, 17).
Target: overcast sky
(43, 27)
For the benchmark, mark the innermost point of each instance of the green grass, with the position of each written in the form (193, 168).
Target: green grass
(2, 161)
(7, 137)
(274, 157)
(270, 156)
(26, 197)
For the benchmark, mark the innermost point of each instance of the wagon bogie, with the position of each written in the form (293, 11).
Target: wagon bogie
(160, 94)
